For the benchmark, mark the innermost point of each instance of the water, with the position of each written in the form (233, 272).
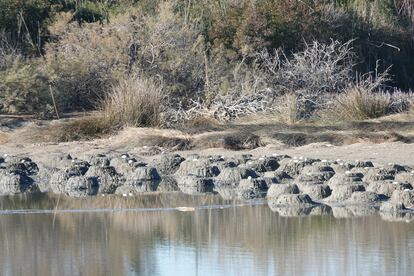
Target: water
(147, 236)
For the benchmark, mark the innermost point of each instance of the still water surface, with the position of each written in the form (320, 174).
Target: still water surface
(147, 236)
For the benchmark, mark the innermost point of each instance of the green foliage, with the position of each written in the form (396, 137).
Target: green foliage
(90, 12)
(23, 86)
(198, 50)
(24, 20)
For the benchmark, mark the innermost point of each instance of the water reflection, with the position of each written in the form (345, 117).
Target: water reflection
(249, 240)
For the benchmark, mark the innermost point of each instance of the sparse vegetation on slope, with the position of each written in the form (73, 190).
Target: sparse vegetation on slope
(217, 60)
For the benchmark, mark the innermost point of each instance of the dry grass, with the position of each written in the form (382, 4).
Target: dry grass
(358, 103)
(287, 109)
(85, 128)
(133, 102)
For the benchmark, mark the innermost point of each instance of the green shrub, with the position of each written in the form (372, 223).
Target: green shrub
(90, 12)
(23, 86)
(24, 21)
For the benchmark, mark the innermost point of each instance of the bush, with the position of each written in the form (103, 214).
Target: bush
(133, 102)
(169, 47)
(358, 103)
(85, 61)
(24, 21)
(23, 84)
(90, 12)
(309, 77)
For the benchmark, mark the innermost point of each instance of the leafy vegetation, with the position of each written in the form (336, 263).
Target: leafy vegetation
(214, 59)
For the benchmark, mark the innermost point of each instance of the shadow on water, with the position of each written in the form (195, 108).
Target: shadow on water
(246, 240)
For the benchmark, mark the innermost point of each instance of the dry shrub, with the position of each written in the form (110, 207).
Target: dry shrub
(134, 102)
(85, 60)
(358, 103)
(23, 84)
(286, 109)
(170, 47)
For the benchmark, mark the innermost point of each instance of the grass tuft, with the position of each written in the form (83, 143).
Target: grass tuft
(133, 102)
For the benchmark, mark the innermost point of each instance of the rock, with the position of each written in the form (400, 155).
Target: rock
(105, 178)
(229, 178)
(244, 158)
(387, 187)
(80, 186)
(342, 167)
(210, 171)
(78, 167)
(279, 176)
(346, 178)
(405, 177)
(316, 173)
(360, 170)
(222, 165)
(168, 184)
(378, 174)
(143, 174)
(23, 165)
(43, 177)
(392, 207)
(251, 188)
(276, 190)
(340, 193)
(193, 185)
(99, 160)
(293, 167)
(232, 176)
(315, 191)
(270, 181)
(168, 163)
(263, 164)
(280, 157)
(293, 200)
(405, 197)
(58, 180)
(141, 179)
(396, 168)
(363, 164)
(125, 164)
(215, 158)
(197, 167)
(365, 197)
(16, 182)
(194, 161)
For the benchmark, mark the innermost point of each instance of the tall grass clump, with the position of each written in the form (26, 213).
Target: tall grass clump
(133, 102)
(360, 104)
(357, 103)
